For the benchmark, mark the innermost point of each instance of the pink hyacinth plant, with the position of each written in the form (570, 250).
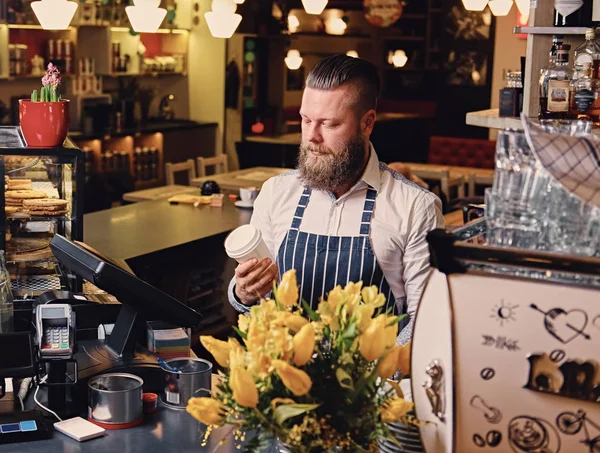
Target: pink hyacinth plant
(50, 86)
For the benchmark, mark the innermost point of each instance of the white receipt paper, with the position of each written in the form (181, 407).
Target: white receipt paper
(79, 429)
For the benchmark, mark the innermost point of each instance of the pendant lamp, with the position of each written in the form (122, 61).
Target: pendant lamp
(145, 16)
(54, 14)
(222, 21)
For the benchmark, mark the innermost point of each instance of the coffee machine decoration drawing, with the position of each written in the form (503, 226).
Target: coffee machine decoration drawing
(434, 389)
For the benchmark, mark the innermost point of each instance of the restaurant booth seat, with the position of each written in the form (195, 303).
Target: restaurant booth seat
(461, 152)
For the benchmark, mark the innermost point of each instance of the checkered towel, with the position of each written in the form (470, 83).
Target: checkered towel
(573, 160)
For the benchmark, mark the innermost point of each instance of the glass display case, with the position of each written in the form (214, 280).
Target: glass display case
(42, 195)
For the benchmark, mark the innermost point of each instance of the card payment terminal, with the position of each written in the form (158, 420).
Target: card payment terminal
(55, 324)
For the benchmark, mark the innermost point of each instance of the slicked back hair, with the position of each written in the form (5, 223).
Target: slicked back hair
(337, 70)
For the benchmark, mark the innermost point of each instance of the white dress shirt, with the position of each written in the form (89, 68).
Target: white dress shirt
(404, 214)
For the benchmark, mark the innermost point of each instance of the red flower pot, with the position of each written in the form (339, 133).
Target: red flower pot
(44, 124)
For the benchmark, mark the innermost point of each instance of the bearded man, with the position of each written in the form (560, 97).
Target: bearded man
(342, 216)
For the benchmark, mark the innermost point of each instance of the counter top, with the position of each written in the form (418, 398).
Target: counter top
(172, 431)
(139, 229)
(151, 128)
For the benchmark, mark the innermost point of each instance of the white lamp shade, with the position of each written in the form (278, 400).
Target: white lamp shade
(293, 60)
(352, 53)
(399, 59)
(222, 24)
(475, 5)
(500, 7)
(314, 6)
(145, 18)
(523, 6)
(54, 14)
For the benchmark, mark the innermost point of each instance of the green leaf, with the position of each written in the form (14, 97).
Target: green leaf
(344, 379)
(350, 331)
(396, 320)
(239, 332)
(34, 96)
(312, 315)
(285, 411)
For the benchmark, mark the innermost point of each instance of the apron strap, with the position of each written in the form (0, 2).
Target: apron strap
(302, 204)
(365, 223)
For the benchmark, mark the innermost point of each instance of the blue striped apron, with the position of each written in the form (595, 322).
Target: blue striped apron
(322, 262)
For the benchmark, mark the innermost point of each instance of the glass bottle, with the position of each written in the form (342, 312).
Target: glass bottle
(554, 87)
(556, 41)
(584, 103)
(587, 55)
(6, 298)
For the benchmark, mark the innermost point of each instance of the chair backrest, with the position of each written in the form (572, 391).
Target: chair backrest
(171, 169)
(462, 152)
(219, 162)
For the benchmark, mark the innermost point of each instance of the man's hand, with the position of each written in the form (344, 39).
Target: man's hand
(254, 279)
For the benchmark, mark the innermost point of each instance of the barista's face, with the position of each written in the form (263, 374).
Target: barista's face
(334, 138)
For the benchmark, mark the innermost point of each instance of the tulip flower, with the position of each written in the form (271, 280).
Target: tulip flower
(295, 380)
(371, 296)
(295, 322)
(395, 409)
(404, 359)
(388, 365)
(219, 349)
(206, 410)
(243, 387)
(372, 342)
(304, 344)
(287, 291)
(364, 314)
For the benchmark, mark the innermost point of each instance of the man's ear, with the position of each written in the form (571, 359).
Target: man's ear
(368, 122)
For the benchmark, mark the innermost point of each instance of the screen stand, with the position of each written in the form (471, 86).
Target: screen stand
(128, 330)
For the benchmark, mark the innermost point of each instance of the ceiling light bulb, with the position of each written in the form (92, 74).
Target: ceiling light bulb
(293, 60)
(293, 23)
(352, 53)
(399, 59)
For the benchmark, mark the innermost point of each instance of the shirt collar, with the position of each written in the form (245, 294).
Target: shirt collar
(372, 175)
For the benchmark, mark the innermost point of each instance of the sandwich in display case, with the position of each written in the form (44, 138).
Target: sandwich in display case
(42, 196)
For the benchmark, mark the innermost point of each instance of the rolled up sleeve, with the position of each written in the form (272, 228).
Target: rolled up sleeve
(261, 219)
(426, 216)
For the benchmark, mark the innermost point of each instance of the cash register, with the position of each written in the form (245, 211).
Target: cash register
(69, 363)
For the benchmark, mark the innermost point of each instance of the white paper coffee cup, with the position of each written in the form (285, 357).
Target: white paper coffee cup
(245, 243)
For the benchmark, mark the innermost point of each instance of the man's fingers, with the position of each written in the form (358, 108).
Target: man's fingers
(243, 269)
(265, 283)
(257, 271)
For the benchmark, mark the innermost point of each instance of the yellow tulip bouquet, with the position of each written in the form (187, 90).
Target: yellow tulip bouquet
(314, 380)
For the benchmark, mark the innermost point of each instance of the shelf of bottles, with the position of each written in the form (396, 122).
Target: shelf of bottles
(140, 157)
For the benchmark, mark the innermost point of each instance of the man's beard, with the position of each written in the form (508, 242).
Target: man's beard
(332, 170)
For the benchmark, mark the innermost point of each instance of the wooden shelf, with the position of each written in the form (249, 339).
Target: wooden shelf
(491, 119)
(321, 35)
(550, 30)
(413, 16)
(404, 38)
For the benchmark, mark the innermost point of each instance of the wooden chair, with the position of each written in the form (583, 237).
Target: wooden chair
(171, 169)
(219, 162)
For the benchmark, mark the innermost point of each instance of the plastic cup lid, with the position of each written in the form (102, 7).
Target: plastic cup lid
(242, 240)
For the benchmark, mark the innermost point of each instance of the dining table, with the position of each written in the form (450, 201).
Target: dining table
(246, 178)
